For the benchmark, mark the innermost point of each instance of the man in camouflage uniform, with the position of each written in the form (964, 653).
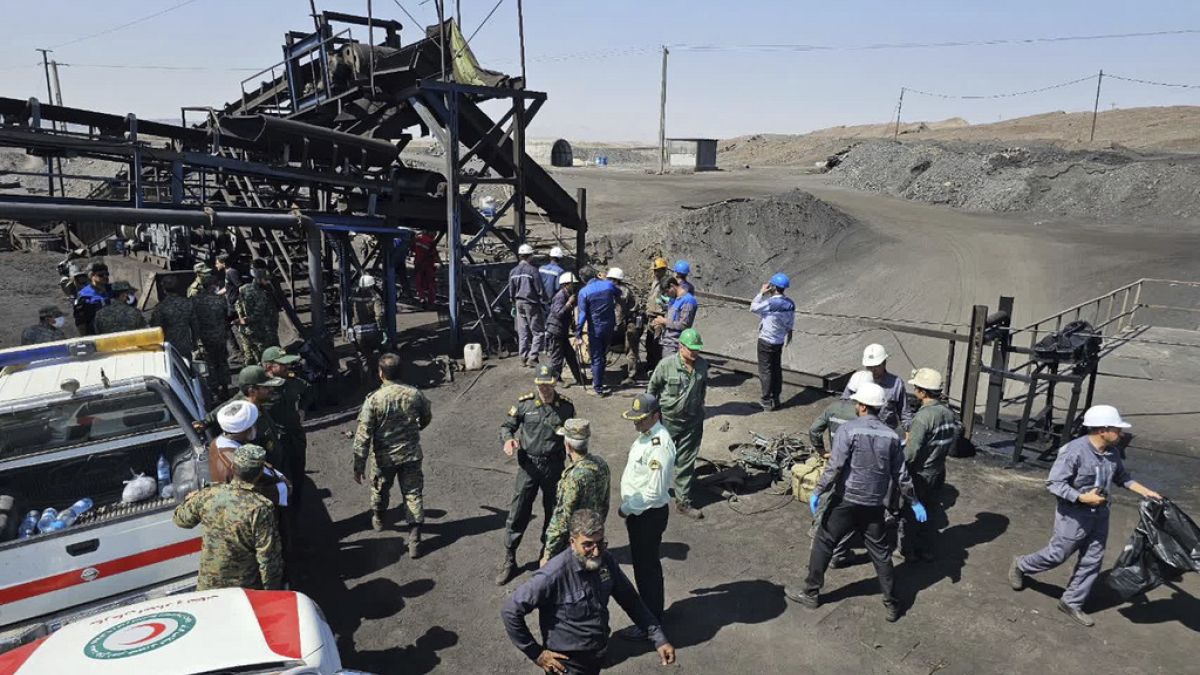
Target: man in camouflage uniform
(212, 329)
(120, 314)
(629, 325)
(389, 436)
(259, 388)
(176, 315)
(287, 409)
(48, 328)
(531, 434)
(258, 314)
(202, 281)
(584, 485)
(241, 546)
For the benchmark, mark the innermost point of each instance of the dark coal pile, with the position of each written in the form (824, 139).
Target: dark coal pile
(1109, 185)
(733, 246)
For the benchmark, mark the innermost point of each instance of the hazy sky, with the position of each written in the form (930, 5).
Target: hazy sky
(599, 59)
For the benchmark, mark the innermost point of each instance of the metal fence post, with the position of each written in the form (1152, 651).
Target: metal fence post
(999, 364)
(974, 363)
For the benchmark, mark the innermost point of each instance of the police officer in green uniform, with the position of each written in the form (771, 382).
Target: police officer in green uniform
(531, 435)
(680, 382)
(287, 410)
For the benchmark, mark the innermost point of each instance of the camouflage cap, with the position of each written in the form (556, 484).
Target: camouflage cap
(49, 311)
(644, 405)
(249, 456)
(257, 376)
(576, 429)
(546, 375)
(201, 268)
(278, 355)
(122, 287)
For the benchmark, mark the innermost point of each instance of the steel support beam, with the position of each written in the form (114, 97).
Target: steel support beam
(970, 388)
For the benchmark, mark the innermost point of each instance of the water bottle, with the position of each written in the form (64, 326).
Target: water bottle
(29, 525)
(48, 517)
(164, 471)
(69, 516)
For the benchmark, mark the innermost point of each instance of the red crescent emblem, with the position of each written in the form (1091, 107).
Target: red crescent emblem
(156, 628)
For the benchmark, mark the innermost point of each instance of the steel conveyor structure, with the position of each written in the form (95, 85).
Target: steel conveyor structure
(313, 143)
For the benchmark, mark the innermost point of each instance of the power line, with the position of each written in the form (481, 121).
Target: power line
(135, 22)
(927, 45)
(485, 20)
(407, 13)
(1006, 95)
(139, 66)
(1157, 84)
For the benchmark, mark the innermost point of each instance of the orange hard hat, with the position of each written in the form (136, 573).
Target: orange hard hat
(659, 264)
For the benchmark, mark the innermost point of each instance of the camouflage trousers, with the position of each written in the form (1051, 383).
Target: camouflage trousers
(412, 485)
(255, 343)
(216, 357)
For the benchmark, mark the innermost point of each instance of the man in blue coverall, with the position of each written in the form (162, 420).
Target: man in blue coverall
(597, 308)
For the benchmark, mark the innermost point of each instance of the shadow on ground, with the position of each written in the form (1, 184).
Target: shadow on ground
(698, 618)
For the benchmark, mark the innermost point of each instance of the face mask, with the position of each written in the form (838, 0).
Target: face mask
(131, 299)
(60, 321)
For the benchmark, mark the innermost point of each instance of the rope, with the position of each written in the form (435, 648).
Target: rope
(1060, 85)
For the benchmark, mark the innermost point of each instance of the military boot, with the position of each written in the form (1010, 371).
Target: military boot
(507, 568)
(377, 521)
(414, 542)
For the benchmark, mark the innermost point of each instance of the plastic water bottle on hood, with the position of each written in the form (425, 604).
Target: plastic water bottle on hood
(46, 521)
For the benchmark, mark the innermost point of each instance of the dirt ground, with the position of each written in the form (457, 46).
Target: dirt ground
(724, 575)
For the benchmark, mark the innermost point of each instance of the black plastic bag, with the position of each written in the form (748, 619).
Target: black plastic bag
(1165, 542)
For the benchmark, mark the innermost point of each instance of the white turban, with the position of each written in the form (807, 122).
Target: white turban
(237, 417)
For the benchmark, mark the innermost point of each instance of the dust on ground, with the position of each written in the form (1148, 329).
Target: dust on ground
(30, 280)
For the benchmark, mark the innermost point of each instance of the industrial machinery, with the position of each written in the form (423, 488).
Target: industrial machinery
(305, 159)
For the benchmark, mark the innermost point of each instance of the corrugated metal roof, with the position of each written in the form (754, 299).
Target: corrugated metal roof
(45, 377)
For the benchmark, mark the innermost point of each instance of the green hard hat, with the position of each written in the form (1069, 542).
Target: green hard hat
(690, 338)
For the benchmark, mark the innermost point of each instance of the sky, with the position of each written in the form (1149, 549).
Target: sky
(600, 60)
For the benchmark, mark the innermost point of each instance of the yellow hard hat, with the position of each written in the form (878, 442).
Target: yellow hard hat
(659, 264)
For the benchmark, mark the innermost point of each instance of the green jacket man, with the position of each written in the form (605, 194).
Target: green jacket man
(680, 383)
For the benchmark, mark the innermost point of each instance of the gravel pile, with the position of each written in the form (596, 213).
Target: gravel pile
(1116, 185)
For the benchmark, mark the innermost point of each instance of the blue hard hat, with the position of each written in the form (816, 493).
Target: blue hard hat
(780, 280)
(682, 267)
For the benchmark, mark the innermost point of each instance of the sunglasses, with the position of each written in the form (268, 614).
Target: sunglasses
(589, 546)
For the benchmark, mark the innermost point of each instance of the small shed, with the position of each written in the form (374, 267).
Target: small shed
(699, 154)
(548, 152)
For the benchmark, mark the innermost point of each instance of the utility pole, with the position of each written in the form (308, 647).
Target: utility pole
(1096, 106)
(50, 98)
(521, 35)
(662, 116)
(57, 86)
(899, 107)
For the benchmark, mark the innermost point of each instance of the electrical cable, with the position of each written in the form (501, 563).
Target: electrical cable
(1157, 84)
(1006, 95)
(928, 45)
(135, 22)
(407, 13)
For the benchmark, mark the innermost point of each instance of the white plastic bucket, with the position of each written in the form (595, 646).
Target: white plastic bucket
(473, 356)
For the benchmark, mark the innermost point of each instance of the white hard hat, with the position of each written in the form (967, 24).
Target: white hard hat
(366, 281)
(556, 252)
(524, 249)
(874, 355)
(615, 273)
(1099, 416)
(869, 394)
(858, 379)
(237, 417)
(927, 379)
(566, 278)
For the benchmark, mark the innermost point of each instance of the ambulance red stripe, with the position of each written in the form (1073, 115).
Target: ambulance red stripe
(108, 568)
(278, 620)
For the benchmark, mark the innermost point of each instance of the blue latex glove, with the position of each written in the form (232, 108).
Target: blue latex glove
(919, 511)
(814, 500)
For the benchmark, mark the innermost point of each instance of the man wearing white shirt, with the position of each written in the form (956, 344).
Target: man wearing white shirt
(645, 494)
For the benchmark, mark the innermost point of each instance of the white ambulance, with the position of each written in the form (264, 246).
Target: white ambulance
(229, 630)
(78, 419)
